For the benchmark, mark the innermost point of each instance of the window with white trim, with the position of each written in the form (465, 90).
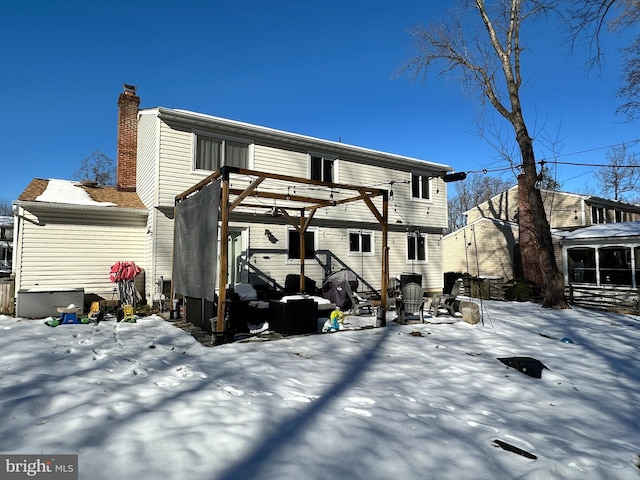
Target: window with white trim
(321, 168)
(360, 242)
(416, 247)
(420, 186)
(211, 153)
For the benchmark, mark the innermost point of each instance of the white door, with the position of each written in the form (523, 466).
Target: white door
(236, 272)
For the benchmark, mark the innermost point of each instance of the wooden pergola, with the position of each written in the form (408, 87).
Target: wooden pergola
(263, 185)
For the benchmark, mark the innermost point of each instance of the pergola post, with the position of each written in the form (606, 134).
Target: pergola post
(302, 231)
(224, 255)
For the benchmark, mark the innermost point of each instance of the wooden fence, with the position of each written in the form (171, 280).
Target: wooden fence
(610, 299)
(7, 289)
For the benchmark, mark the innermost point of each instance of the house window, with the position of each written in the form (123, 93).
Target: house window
(360, 243)
(293, 252)
(598, 215)
(582, 265)
(420, 186)
(213, 153)
(321, 168)
(417, 248)
(615, 265)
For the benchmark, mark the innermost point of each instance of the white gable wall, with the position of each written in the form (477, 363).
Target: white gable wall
(89, 241)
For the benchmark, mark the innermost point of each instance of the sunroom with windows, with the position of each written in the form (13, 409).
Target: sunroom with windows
(603, 255)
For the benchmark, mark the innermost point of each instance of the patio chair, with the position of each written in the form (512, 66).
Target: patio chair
(447, 302)
(357, 303)
(411, 303)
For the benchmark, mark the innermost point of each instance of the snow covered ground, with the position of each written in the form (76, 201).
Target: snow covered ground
(145, 401)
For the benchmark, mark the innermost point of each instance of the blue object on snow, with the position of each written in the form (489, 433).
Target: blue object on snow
(566, 340)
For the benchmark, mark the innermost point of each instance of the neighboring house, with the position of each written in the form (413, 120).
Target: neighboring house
(603, 255)
(163, 152)
(6, 245)
(488, 244)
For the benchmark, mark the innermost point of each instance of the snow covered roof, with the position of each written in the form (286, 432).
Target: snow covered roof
(605, 230)
(6, 221)
(66, 192)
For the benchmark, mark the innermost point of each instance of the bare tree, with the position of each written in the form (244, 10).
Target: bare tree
(5, 207)
(97, 167)
(621, 176)
(472, 192)
(488, 60)
(588, 22)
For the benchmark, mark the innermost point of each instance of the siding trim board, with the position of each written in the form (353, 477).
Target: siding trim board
(135, 212)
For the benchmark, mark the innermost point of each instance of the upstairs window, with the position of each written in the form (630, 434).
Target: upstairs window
(420, 186)
(416, 248)
(360, 243)
(321, 168)
(213, 153)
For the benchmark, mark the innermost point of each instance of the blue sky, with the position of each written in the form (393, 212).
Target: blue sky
(325, 69)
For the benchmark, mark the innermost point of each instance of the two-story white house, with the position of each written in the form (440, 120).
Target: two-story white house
(62, 242)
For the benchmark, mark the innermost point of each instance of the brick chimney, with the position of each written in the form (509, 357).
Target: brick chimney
(128, 104)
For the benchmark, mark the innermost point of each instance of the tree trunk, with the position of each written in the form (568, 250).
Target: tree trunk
(537, 248)
(529, 246)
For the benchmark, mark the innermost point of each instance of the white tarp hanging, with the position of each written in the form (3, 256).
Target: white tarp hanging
(195, 248)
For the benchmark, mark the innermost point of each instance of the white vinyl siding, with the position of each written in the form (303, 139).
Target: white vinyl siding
(77, 249)
(164, 246)
(175, 173)
(335, 240)
(146, 166)
(276, 160)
